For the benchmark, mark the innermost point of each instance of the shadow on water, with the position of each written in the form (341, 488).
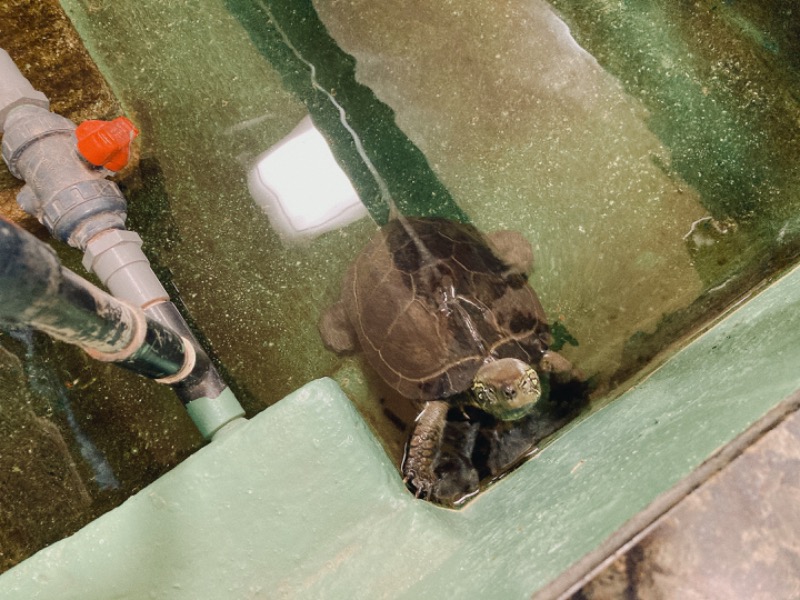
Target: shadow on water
(44, 382)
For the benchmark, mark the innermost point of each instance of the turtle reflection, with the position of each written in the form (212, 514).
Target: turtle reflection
(445, 316)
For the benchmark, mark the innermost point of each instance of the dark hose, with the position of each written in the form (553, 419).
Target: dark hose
(36, 291)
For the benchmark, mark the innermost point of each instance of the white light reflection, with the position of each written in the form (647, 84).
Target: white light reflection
(301, 188)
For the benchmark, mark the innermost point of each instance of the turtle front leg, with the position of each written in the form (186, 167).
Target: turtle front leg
(560, 367)
(423, 448)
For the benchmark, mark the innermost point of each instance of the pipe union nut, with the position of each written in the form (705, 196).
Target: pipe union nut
(81, 211)
(24, 126)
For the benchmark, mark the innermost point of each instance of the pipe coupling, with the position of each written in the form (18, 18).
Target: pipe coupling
(78, 213)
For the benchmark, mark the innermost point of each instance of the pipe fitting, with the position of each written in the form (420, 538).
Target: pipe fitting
(204, 381)
(27, 125)
(71, 197)
(116, 257)
(73, 200)
(81, 211)
(16, 90)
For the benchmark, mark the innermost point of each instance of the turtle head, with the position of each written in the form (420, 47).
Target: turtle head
(506, 388)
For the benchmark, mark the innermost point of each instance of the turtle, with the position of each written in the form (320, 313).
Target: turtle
(444, 314)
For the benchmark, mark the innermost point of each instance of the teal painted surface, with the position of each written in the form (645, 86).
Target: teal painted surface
(301, 502)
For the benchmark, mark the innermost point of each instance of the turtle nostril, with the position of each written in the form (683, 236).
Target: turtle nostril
(510, 392)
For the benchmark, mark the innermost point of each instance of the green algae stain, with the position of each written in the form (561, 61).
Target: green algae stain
(713, 104)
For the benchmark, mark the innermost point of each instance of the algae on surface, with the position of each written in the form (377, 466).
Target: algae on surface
(648, 155)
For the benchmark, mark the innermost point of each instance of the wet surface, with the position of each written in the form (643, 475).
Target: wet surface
(735, 537)
(478, 450)
(647, 156)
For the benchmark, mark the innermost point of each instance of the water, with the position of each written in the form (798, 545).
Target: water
(385, 195)
(541, 122)
(647, 153)
(44, 382)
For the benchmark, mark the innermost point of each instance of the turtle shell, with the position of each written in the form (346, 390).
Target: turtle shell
(430, 300)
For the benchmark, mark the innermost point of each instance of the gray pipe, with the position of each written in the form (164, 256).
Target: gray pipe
(80, 206)
(16, 90)
(74, 201)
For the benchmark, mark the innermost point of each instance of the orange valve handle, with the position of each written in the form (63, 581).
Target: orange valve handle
(106, 143)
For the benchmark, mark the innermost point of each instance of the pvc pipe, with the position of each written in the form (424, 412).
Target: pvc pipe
(16, 90)
(74, 201)
(116, 257)
(72, 198)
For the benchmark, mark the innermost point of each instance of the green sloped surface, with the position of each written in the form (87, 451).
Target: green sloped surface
(301, 502)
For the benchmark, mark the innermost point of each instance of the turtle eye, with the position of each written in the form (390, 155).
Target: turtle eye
(483, 393)
(530, 382)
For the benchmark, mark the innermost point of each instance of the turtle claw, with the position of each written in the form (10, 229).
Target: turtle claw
(420, 486)
(552, 362)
